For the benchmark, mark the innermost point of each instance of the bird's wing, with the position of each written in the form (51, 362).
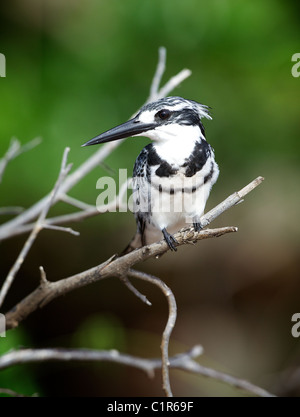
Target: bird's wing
(140, 198)
(141, 191)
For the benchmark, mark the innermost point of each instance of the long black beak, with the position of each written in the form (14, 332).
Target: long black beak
(131, 128)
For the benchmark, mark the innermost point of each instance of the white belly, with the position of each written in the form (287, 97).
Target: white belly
(172, 202)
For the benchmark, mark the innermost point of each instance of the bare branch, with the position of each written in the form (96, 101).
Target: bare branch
(183, 361)
(76, 203)
(22, 356)
(120, 266)
(230, 201)
(160, 69)
(169, 326)
(37, 228)
(136, 292)
(61, 229)
(195, 367)
(15, 149)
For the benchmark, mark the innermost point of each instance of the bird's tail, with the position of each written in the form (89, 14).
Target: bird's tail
(136, 242)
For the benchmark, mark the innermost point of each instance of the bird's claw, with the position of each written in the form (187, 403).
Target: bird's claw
(170, 239)
(197, 227)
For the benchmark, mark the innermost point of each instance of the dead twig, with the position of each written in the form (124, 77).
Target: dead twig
(183, 361)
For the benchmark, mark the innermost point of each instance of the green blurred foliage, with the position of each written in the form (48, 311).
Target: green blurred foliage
(75, 69)
(101, 332)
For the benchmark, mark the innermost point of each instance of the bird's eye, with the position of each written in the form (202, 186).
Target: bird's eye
(163, 114)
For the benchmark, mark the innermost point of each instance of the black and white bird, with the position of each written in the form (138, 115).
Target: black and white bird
(173, 176)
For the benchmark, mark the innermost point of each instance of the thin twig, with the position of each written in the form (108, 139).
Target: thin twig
(37, 228)
(57, 220)
(15, 149)
(183, 361)
(169, 326)
(61, 229)
(21, 356)
(135, 291)
(75, 202)
(160, 69)
(8, 229)
(230, 201)
(44, 280)
(196, 368)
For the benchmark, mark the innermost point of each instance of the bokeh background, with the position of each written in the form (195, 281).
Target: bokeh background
(76, 68)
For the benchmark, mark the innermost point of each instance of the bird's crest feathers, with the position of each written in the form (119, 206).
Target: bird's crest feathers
(175, 103)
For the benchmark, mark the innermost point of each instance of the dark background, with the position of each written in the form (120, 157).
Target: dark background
(76, 68)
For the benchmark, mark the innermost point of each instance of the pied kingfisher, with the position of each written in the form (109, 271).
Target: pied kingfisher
(173, 176)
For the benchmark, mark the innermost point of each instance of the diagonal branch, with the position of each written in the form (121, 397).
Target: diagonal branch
(115, 266)
(135, 291)
(76, 203)
(230, 201)
(194, 367)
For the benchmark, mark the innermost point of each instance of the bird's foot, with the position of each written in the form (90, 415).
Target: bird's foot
(197, 227)
(171, 241)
